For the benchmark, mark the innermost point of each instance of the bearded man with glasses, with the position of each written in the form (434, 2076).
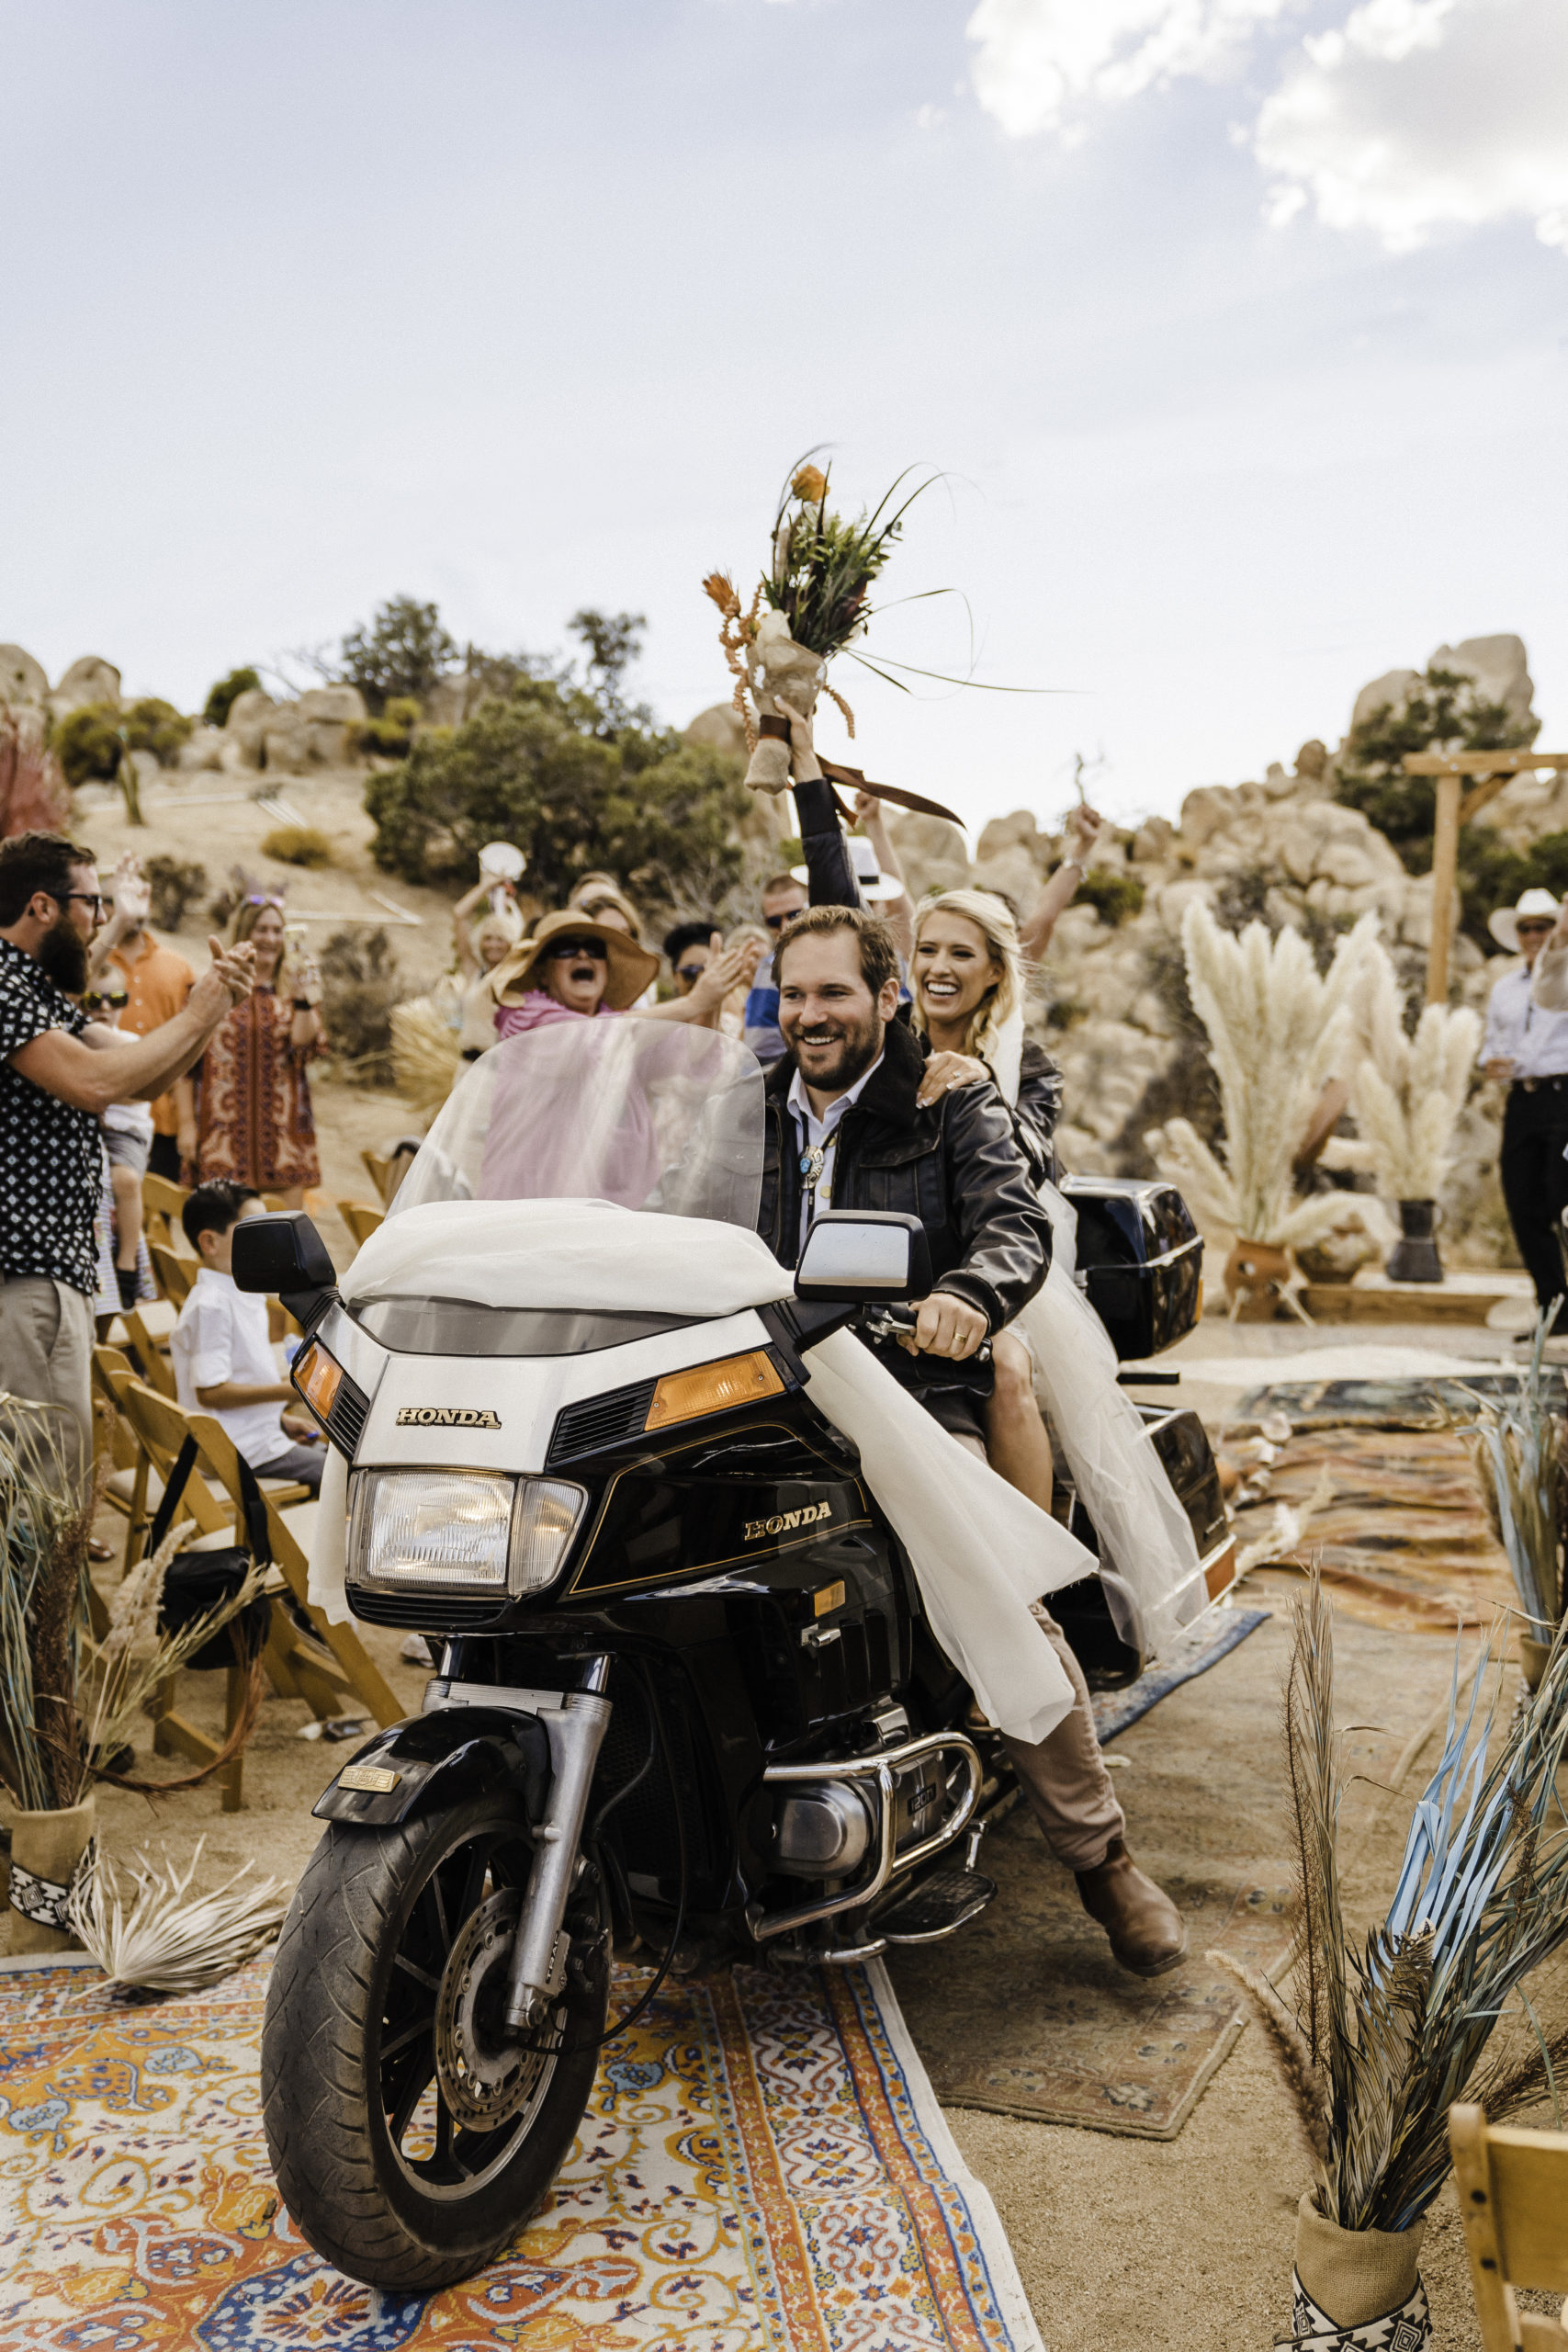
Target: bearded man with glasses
(59, 1072)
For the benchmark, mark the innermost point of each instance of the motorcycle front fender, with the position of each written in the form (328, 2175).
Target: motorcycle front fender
(451, 1753)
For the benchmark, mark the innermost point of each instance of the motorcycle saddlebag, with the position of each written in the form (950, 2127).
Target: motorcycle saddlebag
(1140, 1259)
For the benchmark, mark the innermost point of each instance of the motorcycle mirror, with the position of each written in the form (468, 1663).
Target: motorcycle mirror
(281, 1252)
(864, 1255)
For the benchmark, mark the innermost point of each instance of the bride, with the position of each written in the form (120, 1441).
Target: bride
(967, 978)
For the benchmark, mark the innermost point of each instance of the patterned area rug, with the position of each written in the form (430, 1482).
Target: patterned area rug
(763, 2166)
(1192, 1652)
(1398, 1515)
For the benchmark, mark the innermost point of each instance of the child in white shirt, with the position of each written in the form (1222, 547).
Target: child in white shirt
(222, 1356)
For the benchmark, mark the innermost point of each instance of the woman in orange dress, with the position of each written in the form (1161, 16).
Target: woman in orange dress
(255, 1124)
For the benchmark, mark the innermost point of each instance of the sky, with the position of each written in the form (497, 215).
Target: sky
(1234, 332)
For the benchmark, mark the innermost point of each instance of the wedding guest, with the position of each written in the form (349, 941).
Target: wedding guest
(254, 1122)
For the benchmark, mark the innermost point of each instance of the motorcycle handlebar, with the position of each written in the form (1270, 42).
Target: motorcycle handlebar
(894, 1322)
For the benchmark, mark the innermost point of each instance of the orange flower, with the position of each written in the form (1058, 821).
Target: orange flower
(721, 588)
(811, 485)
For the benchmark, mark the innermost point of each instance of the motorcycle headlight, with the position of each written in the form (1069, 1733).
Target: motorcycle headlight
(460, 1531)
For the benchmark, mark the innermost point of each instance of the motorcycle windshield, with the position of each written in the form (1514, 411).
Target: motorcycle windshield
(650, 1114)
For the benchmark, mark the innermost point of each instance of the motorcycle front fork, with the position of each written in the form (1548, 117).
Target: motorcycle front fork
(576, 1731)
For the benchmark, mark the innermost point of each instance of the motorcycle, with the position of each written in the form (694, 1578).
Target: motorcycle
(688, 1703)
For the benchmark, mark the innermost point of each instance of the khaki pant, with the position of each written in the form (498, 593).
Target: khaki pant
(46, 1355)
(1064, 1776)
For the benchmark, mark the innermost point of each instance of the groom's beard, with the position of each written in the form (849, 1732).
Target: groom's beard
(63, 953)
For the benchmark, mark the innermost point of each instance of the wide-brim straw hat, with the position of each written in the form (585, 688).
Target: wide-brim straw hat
(1504, 924)
(632, 969)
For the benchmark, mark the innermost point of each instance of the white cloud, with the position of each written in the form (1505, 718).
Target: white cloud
(1039, 61)
(1416, 115)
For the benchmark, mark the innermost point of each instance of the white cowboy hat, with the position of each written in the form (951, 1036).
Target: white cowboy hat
(874, 886)
(1505, 924)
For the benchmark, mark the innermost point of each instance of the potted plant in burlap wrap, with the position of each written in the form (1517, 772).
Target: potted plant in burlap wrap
(1387, 2031)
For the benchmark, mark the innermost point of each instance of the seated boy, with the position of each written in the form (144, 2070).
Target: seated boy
(222, 1356)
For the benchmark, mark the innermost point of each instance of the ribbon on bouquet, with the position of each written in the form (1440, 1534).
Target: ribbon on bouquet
(854, 780)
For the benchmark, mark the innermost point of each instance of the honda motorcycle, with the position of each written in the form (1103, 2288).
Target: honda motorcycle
(688, 1706)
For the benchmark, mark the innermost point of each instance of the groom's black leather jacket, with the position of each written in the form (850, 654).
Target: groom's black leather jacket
(955, 1164)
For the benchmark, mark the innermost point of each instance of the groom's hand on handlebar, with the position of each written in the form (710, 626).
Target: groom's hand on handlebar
(945, 1325)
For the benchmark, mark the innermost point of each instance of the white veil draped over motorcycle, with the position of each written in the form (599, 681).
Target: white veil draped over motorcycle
(1148, 1553)
(473, 1221)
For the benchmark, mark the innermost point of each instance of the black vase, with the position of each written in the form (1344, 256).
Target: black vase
(1415, 1258)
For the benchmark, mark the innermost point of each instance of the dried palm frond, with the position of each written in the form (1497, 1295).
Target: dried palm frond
(45, 1521)
(1518, 1440)
(426, 1057)
(1408, 1092)
(1277, 1030)
(1396, 2025)
(167, 1940)
(137, 1656)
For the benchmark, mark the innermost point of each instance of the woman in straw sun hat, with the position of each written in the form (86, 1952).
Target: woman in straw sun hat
(578, 966)
(1525, 1048)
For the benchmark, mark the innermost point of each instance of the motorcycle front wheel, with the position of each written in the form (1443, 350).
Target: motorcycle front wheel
(410, 2135)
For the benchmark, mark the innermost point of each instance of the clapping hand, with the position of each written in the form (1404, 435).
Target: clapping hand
(731, 967)
(131, 890)
(308, 981)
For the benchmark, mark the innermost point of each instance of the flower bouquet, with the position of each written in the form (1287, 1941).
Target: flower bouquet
(808, 606)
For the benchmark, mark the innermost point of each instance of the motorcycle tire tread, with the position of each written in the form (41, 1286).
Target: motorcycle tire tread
(314, 2091)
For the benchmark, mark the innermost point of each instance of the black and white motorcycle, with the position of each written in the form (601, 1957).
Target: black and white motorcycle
(688, 1696)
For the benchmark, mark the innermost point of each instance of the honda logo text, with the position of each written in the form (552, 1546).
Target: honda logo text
(756, 1528)
(446, 1416)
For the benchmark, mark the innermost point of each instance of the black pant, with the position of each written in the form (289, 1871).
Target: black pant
(163, 1159)
(1535, 1179)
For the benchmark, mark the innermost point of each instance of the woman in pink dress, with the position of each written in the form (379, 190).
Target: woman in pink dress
(254, 1124)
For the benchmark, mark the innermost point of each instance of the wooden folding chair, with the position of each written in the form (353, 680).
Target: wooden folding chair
(361, 1219)
(161, 1204)
(175, 1275)
(379, 1167)
(296, 1670)
(1512, 2193)
(148, 1328)
(134, 1486)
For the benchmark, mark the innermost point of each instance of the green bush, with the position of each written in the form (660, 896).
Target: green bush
(403, 653)
(360, 984)
(1114, 894)
(392, 733)
(226, 693)
(176, 884)
(157, 727)
(546, 767)
(87, 744)
(298, 845)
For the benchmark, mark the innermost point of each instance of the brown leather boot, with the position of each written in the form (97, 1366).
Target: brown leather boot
(1142, 1923)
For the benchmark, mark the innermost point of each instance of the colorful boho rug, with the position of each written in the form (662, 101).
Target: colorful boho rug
(1190, 1653)
(1397, 1512)
(763, 2169)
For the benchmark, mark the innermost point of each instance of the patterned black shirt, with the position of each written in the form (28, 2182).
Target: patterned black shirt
(50, 1153)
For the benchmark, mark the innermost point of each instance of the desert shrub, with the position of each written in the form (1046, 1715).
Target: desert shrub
(402, 652)
(555, 767)
(157, 727)
(226, 693)
(176, 884)
(360, 984)
(392, 733)
(87, 744)
(298, 845)
(1115, 895)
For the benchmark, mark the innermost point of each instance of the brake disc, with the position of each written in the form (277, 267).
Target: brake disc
(486, 2074)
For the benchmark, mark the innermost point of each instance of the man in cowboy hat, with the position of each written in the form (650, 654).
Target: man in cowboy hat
(1526, 1048)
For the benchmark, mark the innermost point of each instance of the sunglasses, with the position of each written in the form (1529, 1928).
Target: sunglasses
(567, 951)
(93, 898)
(1526, 930)
(690, 971)
(100, 1000)
(777, 923)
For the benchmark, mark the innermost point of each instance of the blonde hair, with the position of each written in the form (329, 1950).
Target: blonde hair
(507, 921)
(993, 921)
(597, 891)
(247, 916)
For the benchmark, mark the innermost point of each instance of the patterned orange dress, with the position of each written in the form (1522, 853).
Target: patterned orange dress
(254, 1124)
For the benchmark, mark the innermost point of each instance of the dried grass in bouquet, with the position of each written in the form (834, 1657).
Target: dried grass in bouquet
(122, 1673)
(1409, 1090)
(810, 604)
(45, 1524)
(426, 1057)
(1388, 2029)
(165, 1939)
(1276, 1029)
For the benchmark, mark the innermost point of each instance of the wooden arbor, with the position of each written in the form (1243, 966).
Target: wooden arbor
(1486, 773)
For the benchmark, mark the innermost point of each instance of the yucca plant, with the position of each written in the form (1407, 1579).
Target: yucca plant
(1409, 1090)
(1390, 2028)
(1276, 1029)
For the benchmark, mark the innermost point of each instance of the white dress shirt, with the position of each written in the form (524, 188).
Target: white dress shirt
(821, 1133)
(1536, 1042)
(221, 1334)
